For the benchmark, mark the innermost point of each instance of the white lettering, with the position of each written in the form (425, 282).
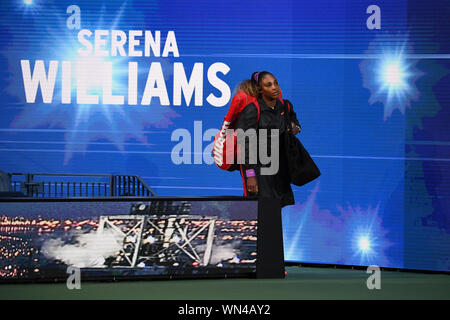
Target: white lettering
(66, 86)
(118, 40)
(218, 84)
(171, 45)
(155, 77)
(181, 84)
(154, 43)
(132, 42)
(39, 78)
(132, 82)
(81, 38)
(108, 97)
(100, 41)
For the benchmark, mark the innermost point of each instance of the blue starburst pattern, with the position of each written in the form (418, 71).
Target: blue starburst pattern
(352, 235)
(390, 72)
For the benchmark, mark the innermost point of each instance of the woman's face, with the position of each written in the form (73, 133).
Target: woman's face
(269, 87)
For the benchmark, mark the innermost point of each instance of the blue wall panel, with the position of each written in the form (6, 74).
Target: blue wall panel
(374, 106)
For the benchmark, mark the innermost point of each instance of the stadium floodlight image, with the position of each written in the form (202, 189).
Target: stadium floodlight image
(162, 240)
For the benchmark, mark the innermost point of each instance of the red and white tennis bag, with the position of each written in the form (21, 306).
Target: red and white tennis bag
(225, 142)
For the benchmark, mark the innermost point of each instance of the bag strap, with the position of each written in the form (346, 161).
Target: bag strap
(288, 104)
(258, 109)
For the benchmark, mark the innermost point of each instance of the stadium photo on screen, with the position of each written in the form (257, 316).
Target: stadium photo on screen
(150, 238)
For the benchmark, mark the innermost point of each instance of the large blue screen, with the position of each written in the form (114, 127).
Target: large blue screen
(141, 87)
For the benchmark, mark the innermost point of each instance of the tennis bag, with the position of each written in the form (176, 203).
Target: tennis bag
(225, 149)
(302, 168)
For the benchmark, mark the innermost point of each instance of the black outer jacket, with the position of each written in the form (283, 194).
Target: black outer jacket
(277, 185)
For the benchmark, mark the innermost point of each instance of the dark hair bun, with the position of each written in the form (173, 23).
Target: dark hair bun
(255, 77)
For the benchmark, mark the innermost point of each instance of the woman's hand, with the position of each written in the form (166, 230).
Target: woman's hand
(252, 186)
(295, 129)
